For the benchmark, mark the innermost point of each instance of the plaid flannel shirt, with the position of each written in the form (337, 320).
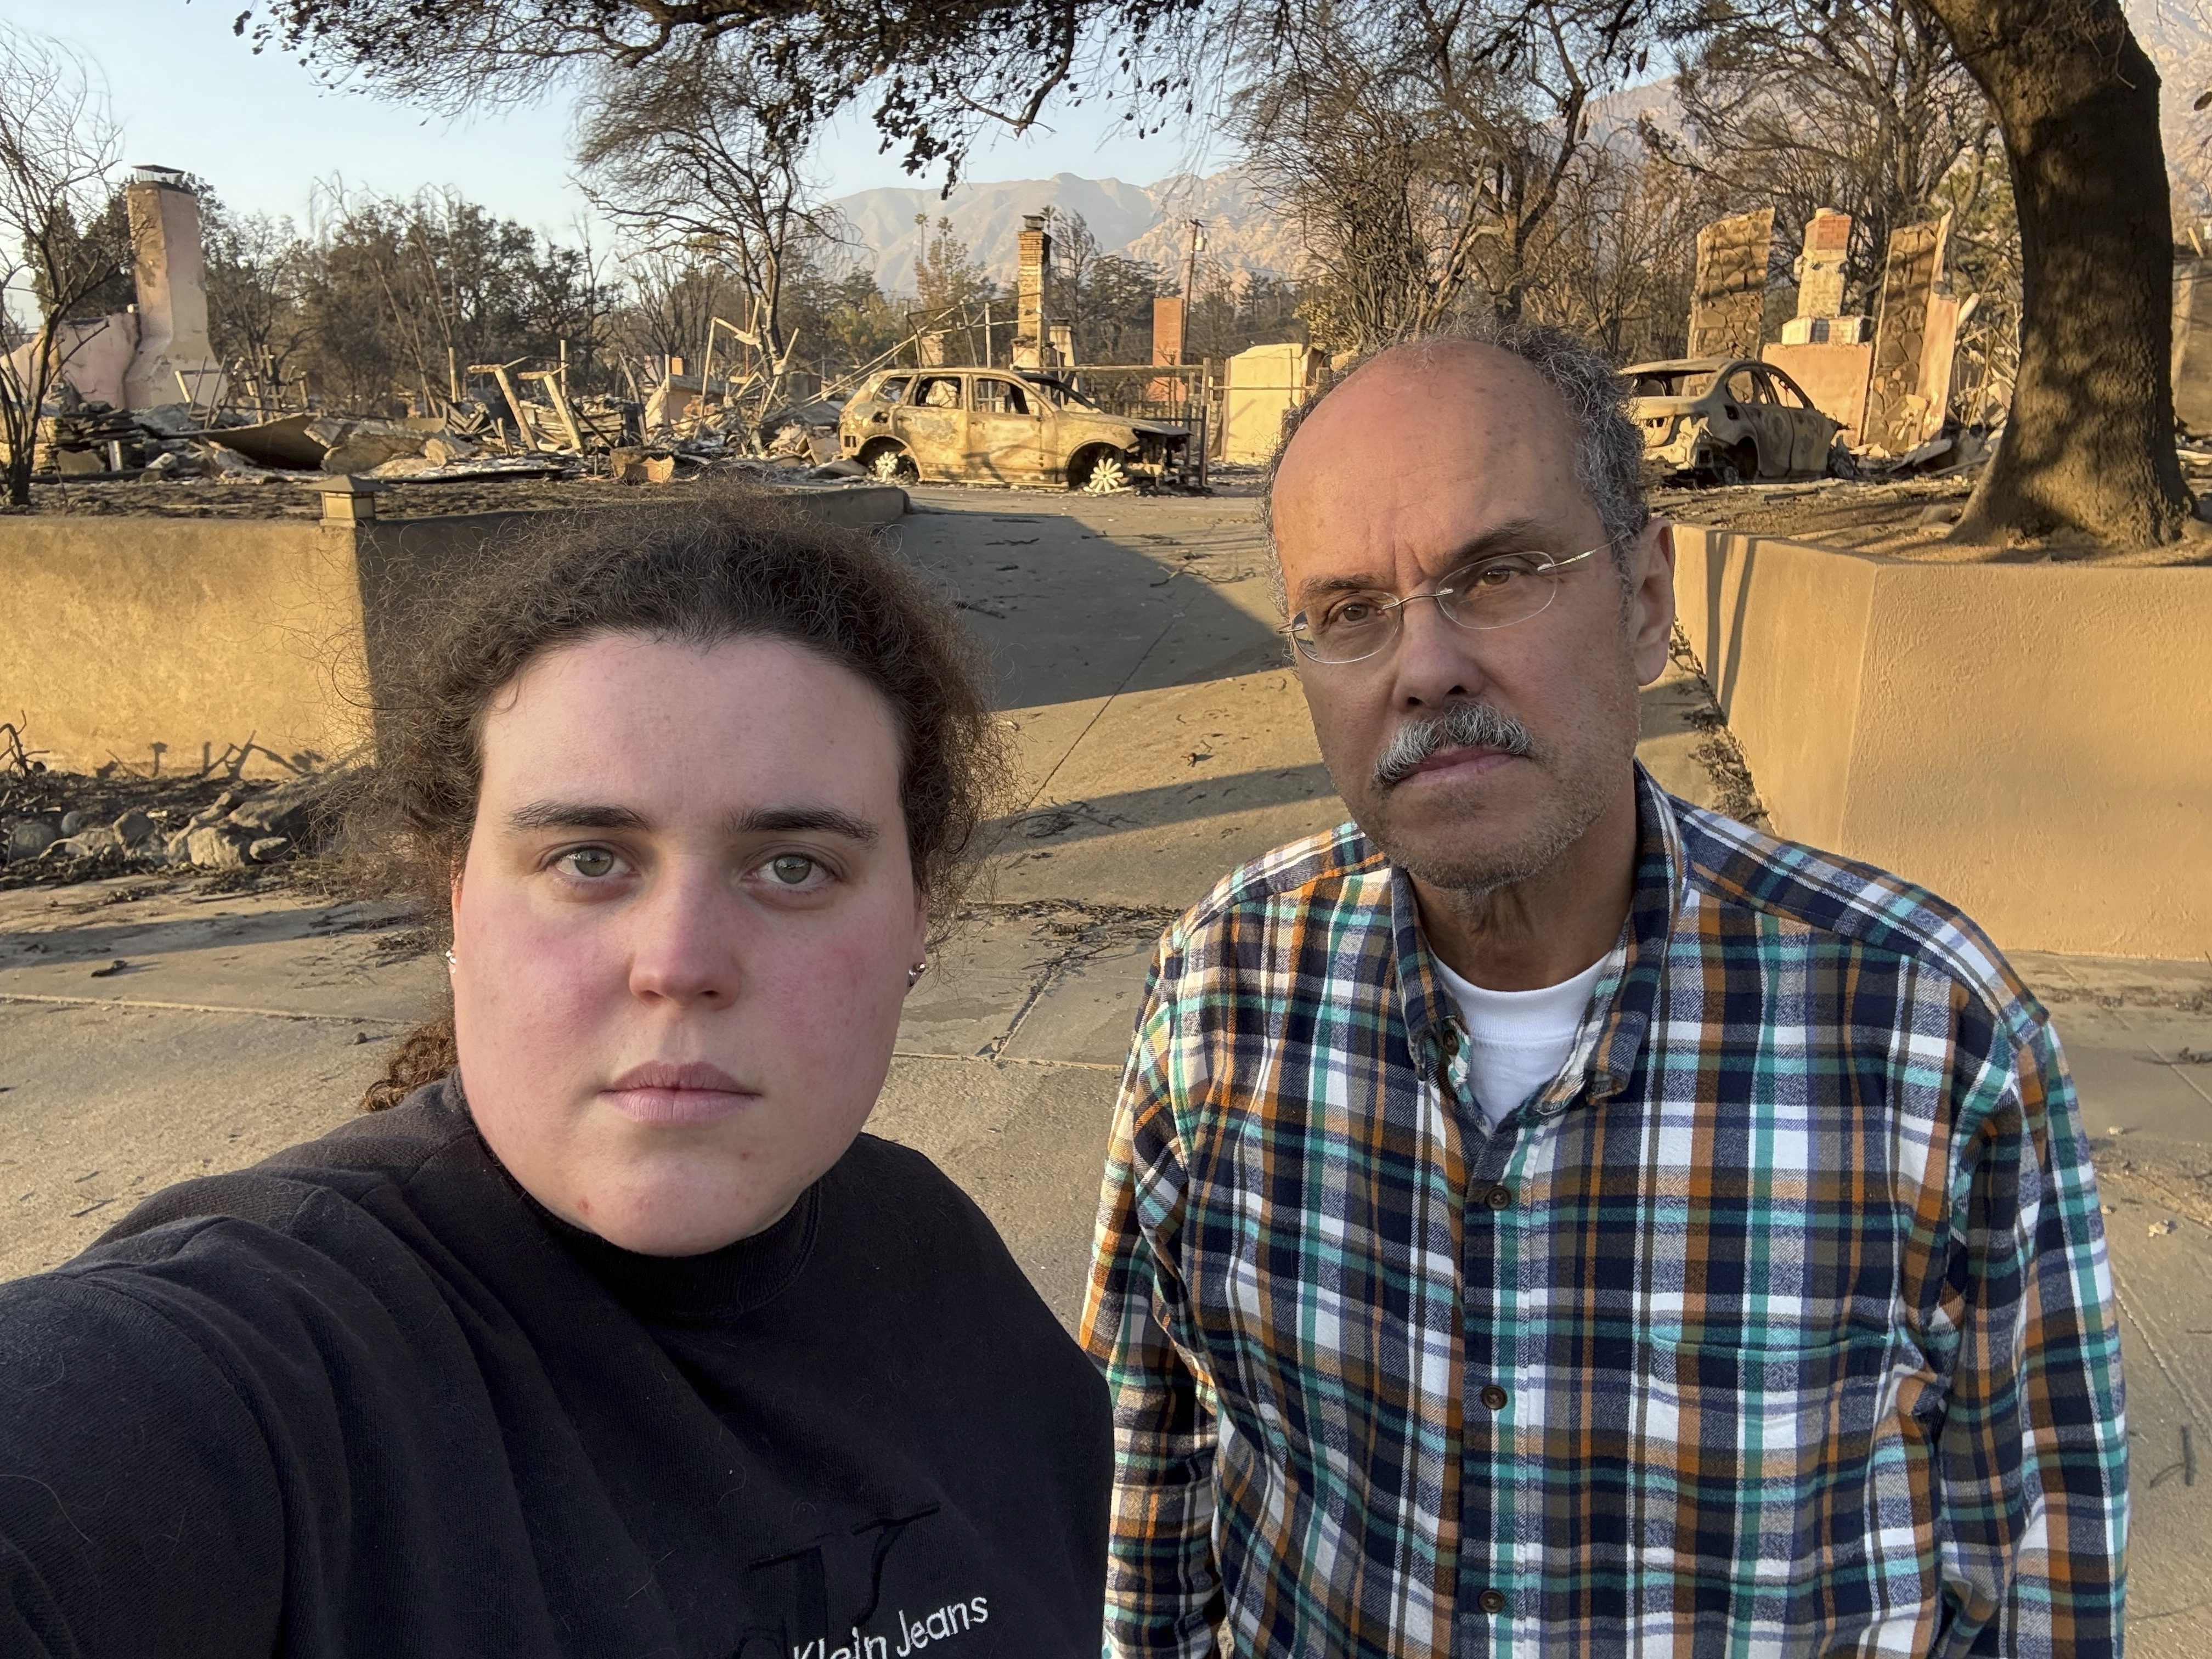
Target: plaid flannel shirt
(1778, 1323)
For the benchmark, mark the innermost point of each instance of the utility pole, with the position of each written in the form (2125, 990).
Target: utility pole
(1189, 280)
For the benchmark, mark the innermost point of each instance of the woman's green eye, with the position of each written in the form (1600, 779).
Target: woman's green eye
(591, 862)
(792, 869)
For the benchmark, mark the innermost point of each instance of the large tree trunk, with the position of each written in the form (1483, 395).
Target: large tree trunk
(2089, 444)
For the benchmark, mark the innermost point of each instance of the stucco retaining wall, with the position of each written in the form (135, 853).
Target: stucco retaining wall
(2032, 742)
(116, 632)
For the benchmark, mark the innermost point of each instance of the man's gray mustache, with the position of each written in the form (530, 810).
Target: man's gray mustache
(1460, 726)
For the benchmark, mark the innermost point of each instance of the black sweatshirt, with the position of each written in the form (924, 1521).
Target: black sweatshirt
(368, 1398)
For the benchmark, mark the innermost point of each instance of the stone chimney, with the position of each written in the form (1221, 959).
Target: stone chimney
(1820, 271)
(1819, 319)
(1033, 300)
(171, 279)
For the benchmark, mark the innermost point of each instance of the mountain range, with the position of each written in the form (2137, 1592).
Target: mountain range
(1151, 221)
(1139, 221)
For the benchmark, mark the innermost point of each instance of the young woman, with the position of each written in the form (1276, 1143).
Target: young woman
(615, 1336)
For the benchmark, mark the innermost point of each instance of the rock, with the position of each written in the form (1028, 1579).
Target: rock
(217, 809)
(73, 822)
(214, 847)
(94, 840)
(361, 445)
(268, 849)
(287, 811)
(29, 837)
(134, 829)
(445, 451)
(221, 463)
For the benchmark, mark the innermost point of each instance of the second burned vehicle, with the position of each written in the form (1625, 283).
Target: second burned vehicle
(1003, 426)
(1731, 420)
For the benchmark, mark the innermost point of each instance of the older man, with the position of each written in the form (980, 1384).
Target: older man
(1544, 1216)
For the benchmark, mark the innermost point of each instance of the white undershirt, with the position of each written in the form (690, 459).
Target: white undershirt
(1517, 1040)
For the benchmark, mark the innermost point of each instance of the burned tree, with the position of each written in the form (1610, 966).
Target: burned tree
(1859, 106)
(1423, 148)
(682, 153)
(59, 242)
(2090, 441)
(392, 295)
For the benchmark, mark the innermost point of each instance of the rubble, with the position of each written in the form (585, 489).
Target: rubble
(58, 828)
(137, 399)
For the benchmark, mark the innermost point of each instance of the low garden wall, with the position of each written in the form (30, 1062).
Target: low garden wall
(2032, 741)
(120, 633)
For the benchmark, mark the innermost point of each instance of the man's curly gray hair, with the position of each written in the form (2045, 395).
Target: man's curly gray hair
(1608, 448)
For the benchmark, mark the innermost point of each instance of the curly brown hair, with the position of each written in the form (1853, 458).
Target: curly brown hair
(730, 567)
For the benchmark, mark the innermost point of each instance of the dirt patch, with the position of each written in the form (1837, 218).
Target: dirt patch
(1733, 791)
(1907, 518)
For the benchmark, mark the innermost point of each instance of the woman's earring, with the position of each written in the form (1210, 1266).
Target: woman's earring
(914, 973)
(452, 962)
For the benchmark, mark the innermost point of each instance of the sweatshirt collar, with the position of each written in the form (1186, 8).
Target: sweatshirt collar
(720, 1284)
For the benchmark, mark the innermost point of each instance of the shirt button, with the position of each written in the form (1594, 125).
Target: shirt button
(1499, 1197)
(1494, 1397)
(1492, 1600)
(1449, 1041)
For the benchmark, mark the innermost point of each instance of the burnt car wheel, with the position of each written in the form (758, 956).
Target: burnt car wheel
(1099, 471)
(1739, 466)
(889, 463)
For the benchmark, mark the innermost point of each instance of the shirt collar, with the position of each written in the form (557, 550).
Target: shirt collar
(1627, 991)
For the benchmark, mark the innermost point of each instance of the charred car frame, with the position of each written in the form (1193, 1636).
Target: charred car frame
(1729, 420)
(1004, 426)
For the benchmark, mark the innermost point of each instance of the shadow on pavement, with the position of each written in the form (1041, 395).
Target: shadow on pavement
(1081, 599)
(1162, 804)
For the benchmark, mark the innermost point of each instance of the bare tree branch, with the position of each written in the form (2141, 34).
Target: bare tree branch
(58, 153)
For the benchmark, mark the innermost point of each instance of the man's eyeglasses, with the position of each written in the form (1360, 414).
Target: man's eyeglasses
(1495, 592)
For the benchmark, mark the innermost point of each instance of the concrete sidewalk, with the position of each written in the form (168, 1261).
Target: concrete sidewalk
(1162, 740)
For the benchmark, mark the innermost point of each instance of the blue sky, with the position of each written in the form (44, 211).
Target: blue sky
(190, 94)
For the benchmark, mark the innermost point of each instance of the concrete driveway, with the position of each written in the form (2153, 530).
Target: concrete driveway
(1162, 740)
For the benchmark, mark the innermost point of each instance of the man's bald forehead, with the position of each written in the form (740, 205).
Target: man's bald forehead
(1427, 383)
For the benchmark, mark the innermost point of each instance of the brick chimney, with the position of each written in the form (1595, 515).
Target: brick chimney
(1033, 300)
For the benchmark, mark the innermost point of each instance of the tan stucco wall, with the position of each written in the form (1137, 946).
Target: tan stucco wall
(1265, 383)
(117, 633)
(2033, 742)
(1833, 375)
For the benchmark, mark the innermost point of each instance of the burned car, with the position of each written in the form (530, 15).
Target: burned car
(1002, 426)
(1731, 420)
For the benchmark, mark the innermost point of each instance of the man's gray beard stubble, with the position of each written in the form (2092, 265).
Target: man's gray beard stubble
(1470, 725)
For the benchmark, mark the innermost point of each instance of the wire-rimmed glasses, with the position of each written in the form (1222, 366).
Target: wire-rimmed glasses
(1495, 591)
